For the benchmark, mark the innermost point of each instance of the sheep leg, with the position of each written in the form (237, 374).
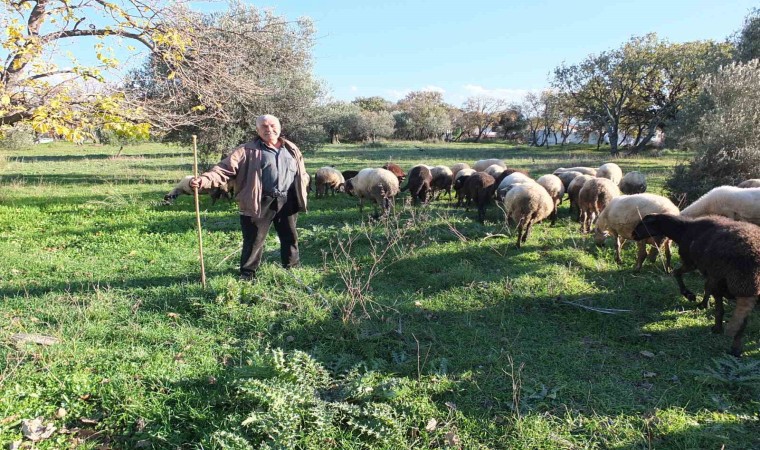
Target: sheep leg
(481, 212)
(738, 322)
(527, 230)
(519, 232)
(668, 265)
(618, 247)
(553, 217)
(718, 327)
(640, 255)
(678, 275)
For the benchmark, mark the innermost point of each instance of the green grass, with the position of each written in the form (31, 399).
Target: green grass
(459, 326)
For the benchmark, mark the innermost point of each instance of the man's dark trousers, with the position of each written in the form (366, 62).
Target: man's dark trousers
(283, 213)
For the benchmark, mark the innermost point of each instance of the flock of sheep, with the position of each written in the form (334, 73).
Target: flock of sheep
(719, 234)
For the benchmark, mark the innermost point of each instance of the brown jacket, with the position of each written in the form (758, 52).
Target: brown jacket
(243, 166)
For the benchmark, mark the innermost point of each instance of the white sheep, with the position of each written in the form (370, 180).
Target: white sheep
(494, 170)
(584, 170)
(633, 182)
(593, 197)
(483, 164)
(555, 189)
(736, 203)
(183, 188)
(611, 171)
(329, 178)
(751, 183)
(512, 179)
(527, 204)
(443, 180)
(379, 185)
(621, 217)
(457, 167)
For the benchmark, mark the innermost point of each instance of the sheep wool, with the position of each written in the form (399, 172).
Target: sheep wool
(483, 164)
(620, 218)
(633, 182)
(328, 178)
(593, 197)
(555, 189)
(611, 171)
(751, 183)
(742, 204)
(379, 185)
(527, 204)
(584, 170)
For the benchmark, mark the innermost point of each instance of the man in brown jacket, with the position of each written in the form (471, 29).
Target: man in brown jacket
(271, 183)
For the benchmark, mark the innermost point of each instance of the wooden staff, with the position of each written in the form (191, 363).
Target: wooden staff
(198, 211)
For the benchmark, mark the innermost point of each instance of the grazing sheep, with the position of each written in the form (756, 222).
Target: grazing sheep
(329, 178)
(751, 183)
(567, 177)
(726, 252)
(611, 171)
(584, 170)
(494, 170)
(728, 201)
(633, 183)
(479, 187)
(397, 170)
(483, 164)
(527, 204)
(556, 191)
(459, 180)
(419, 183)
(622, 215)
(379, 185)
(510, 180)
(593, 197)
(349, 174)
(573, 190)
(457, 167)
(226, 190)
(443, 179)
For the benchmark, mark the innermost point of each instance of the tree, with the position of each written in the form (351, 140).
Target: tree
(53, 98)
(511, 122)
(221, 86)
(533, 108)
(371, 125)
(726, 136)
(748, 39)
(482, 112)
(375, 103)
(425, 115)
(642, 84)
(338, 118)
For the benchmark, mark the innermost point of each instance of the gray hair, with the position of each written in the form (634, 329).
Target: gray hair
(264, 117)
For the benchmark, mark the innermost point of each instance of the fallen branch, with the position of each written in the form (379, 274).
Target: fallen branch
(595, 309)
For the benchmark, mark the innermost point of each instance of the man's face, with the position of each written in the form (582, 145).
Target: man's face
(269, 130)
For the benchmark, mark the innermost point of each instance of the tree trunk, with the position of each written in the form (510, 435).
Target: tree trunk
(334, 138)
(613, 133)
(643, 143)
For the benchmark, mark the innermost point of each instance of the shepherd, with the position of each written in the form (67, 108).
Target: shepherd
(271, 182)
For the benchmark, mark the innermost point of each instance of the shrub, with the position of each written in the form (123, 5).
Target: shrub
(17, 137)
(725, 138)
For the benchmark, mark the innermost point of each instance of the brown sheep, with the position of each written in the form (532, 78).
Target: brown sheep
(593, 197)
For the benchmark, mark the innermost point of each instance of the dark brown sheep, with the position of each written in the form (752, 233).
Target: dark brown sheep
(479, 187)
(419, 183)
(348, 174)
(726, 252)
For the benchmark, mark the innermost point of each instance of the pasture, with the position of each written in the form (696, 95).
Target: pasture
(428, 330)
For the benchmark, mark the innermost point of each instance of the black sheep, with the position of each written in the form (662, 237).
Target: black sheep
(418, 184)
(726, 252)
(479, 187)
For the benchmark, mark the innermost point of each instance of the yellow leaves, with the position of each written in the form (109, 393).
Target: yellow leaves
(198, 108)
(170, 76)
(5, 100)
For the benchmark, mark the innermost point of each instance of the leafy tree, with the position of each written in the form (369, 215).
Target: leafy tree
(371, 125)
(52, 98)
(644, 84)
(221, 86)
(425, 115)
(375, 103)
(511, 122)
(338, 119)
(482, 112)
(726, 137)
(748, 39)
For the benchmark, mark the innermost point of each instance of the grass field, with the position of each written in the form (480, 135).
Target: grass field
(456, 339)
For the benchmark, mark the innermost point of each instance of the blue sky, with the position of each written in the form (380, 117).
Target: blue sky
(389, 48)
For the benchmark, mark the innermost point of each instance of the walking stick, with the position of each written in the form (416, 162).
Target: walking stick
(198, 211)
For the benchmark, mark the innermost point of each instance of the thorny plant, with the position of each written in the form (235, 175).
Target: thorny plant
(367, 252)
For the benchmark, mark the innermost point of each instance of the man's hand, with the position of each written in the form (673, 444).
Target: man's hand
(196, 183)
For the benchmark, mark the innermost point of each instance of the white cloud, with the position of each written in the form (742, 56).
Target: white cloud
(354, 89)
(510, 95)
